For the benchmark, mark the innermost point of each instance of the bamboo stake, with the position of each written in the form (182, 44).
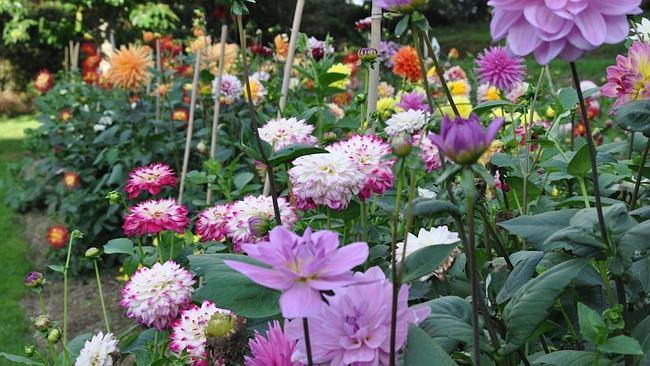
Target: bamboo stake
(373, 79)
(66, 60)
(190, 125)
(288, 66)
(159, 81)
(112, 40)
(217, 103)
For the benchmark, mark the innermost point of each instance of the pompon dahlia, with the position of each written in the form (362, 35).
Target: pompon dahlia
(211, 224)
(98, 351)
(130, 67)
(330, 179)
(496, 67)
(57, 236)
(150, 178)
(188, 332)
(153, 216)
(368, 152)
(354, 329)
(406, 64)
(260, 207)
(410, 121)
(435, 236)
(231, 89)
(415, 100)
(155, 296)
(273, 350)
(428, 152)
(552, 28)
(282, 132)
(43, 81)
(629, 79)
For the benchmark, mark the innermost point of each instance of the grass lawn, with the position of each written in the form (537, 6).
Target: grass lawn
(15, 329)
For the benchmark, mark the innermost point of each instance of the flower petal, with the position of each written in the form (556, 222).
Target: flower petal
(262, 276)
(300, 301)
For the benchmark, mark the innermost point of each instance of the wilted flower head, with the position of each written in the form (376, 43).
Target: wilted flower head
(282, 132)
(43, 81)
(415, 100)
(130, 67)
(238, 228)
(434, 236)
(641, 31)
(302, 267)
(410, 121)
(231, 89)
(153, 216)
(553, 28)
(155, 296)
(496, 67)
(150, 178)
(211, 224)
(98, 351)
(629, 79)
(464, 140)
(406, 64)
(57, 236)
(273, 350)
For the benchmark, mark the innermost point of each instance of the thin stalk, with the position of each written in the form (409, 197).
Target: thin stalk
(569, 324)
(101, 296)
(527, 126)
(639, 176)
(409, 223)
(171, 248)
(620, 294)
(41, 303)
(65, 291)
(53, 354)
(364, 221)
(602, 270)
(440, 73)
(393, 248)
(497, 240)
(583, 189)
(630, 147)
(305, 328)
(476, 295)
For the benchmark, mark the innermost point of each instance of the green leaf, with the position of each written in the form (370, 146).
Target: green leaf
(634, 116)
(641, 333)
(242, 179)
(568, 98)
(634, 244)
(432, 207)
(580, 241)
(401, 26)
(580, 164)
(622, 345)
(421, 350)
(592, 325)
(530, 306)
(20, 359)
(450, 322)
(55, 267)
(292, 152)
(75, 345)
(119, 246)
(329, 78)
(519, 276)
(425, 260)
(232, 290)
(569, 357)
(535, 229)
(486, 107)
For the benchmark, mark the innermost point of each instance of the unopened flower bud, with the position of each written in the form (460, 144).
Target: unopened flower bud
(368, 54)
(34, 280)
(114, 197)
(258, 226)
(202, 147)
(614, 317)
(76, 234)
(54, 335)
(42, 323)
(29, 350)
(402, 145)
(92, 253)
(221, 325)
(360, 99)
(329, 136)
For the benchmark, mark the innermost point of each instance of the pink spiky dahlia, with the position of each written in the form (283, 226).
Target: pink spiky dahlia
(211, 224)
(260, 207)
(428, 152)
(496, 67)
(153, 216)
(155, 296)
(150, 178)
(629, 79)
(273, 350)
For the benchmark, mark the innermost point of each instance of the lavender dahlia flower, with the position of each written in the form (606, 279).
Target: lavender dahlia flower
(564, 28)
(496, 67)
(465, 140)
(302, 267)
(273, 350)
(415, 100)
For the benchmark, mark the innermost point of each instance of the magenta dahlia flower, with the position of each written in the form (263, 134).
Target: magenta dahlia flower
(153, 216)
(155, 296)
(150, 178)
(354, 329)
(261, 207)
(302, 267)
(629, 79)
(465, 140)
(428, 152)
(415, 100)
(211, 224)
(188, 332)
(369, 153)
(496, 67)
(273, 350)
(564, 28)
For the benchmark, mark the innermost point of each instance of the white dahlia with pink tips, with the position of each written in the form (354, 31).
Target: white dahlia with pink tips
(155, 296)
(153, 216)
(98, 351)
(260, 207)
(150, 178)
(282, 132)
(428, 152)
(212, 222)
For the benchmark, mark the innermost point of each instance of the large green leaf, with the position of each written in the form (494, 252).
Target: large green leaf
(530, 306)
(634, 116)
(641, 333)
(119, 246)
(578, 240)
(592, 325)
(232, 290)
(570, 357)
(580, 164)
(421, 350)
(20, 359)
(425, 260)
(432, 207)
(520, 275)
(568, 98)
(450, 322)
(291, 152)
(634, 244)
(622, 345)
(535, 229)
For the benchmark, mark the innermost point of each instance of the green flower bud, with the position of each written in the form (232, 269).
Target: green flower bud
(221, 325)
(92, 253)
(29, 350)
(54, 335)
(42, 323)
(402, 145)
(614, 317)
(114, 197)
(76, 234)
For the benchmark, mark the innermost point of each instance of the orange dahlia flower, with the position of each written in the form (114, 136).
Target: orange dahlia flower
(130, 67)
(406, 64)
(57, 236)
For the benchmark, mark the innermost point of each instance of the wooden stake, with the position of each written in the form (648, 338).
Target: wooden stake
(288, 66)
(159, 81)
(373, 79)
(66, 60)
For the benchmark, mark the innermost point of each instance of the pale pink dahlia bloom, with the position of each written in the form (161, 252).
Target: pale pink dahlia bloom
(410, 121)
(211, 224)
(238, 228)
(280, 133)
(629, 79)
(369, 153)
(564, 28)
(98, 351)
(428, 152)
(155, 296)
(355, 328)
(455, 73)
(153, 216)
(330, 179)
(150, 178)
(231, 89)
(273, 350)
(188, 331)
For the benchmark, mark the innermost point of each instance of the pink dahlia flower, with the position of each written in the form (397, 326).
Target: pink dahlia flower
(150, 178)
(369, 153)
(155, 296)
(355, 328)
(280, 133)
(496, 67)
(153, 216)
(415, 100)
(260, 207)
(273, 350)
(564, 28)
(455, 73)
(302, 267)
(428, 152)
(188, 331)
(629, 79)
(211, 224)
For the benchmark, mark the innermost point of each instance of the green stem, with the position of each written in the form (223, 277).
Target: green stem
(569, 324)
(41, 303)
(639, 176)
(527, 126)
(159, 247)
(65, 291)
(409, 223)
(55, 357)
(364, 221)
(440, 72)
(393, 258)
(476, 294)
(583, 188)
(171, 248)
(101, 296)
(602, 270)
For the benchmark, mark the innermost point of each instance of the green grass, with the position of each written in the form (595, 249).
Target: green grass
(14, 265)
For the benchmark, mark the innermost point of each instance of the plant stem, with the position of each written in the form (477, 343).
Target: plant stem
(65, 292)
(171, 248)
(41, 303)
(499, 245)
(393, 249)
(440, 73)
(639, 176)
(602, 270)
(364, 221)
(583, 189)
(527, 126)
(476, 295)
(409, 223)
(101, 296)
(305, 328)
(569, 324)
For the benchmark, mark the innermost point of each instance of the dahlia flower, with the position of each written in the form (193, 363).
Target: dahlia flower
(43, 81)
(517, 91)
(385, 90)
(629, 79)
(188, 331)
(386, 52)
(410, 121)
(258, 91)
(34, 280)
(454, 73)
(460, 87)
(354, 329)
(98, 351)
(406, 64)
(325, 179)
(155, 296)
(641, 31)
(344, 69)
(130, 68)
(153, 216)
(428, 152)
(363, 24)
(486, 92)
(57, 236)
(231, 89)
(282, 132)
(281, 42)
(211, 224)
(463, 104)
(368, 152)
(238, 228)
(553, 28)
(415, 100)
(302, 267)
(464, 140)
(336, 111)
(70, 180)
(434, 236)
(318, 49)
(386, 107)
(496, 67)
(181, 115)
(273, 350)
(150, 178)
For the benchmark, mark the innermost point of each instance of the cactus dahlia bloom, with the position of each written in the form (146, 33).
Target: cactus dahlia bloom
(188, 331)
(325, 179)
(153, 216)
(629, 79)
(150, 178)
(280, 133)
(130, 67)
(406, 64)
(260, 207)
(211, 224)
(155, 296)
(496, 67)
(368, 153)
(98, 351)
(274, 349)
(410, 121)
